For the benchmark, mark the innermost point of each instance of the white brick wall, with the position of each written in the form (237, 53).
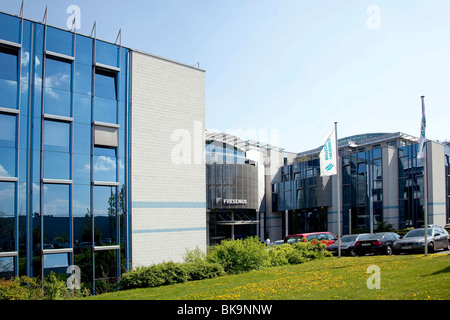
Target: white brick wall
(168, 199)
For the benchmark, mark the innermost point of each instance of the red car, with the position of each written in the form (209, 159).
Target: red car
(320, 236)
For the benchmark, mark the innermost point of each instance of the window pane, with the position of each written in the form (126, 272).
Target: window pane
(105, 164)
(7, 267)
(9, 28)
(105, 217)
(58, 74)
(105, 110)
(57, 102)
(8, 145)
(56, 216)
(82, 108)
(106, 53)
(105, 85)
(56, 136)
(56, 165)
(7, 131)
(56, 263)
(105, 271)
(83, 78)
(59, 41)
(82, 138)
(83, 50)
(8, 64)
(9, 94)
(81, 169)
(7, 216)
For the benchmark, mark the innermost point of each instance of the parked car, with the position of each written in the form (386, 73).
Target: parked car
(321, 236)
(414, 240)
(276, 243)
(347, 245)
(376, 243)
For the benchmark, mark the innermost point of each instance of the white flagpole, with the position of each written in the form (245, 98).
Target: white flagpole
(338, 191)
(425, 182)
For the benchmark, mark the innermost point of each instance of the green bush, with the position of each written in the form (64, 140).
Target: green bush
(22, 288)
(200, 270)
(237, 256)
(169, 273)
(297, 253)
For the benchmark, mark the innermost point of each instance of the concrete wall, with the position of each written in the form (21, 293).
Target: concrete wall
(436, 183)
(390, 186)
(168, 188)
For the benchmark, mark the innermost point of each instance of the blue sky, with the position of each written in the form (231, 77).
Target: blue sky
(292, 67)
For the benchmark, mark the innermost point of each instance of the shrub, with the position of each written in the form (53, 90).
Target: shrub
(204, 270)
(16, 288)
(237, 256)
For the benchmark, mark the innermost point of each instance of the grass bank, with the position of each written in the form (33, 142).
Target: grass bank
(402, 277)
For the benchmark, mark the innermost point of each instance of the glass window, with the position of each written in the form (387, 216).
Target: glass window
(9, 28)
(56, 226)
(57, 95)
(81, 168)
(82, 108)
(106, 53)
(82, 138)
(56, 136)
(9, 94)
(57, 263)
(8, 64)
(105, 271)
(59, 41)
(83, 78)
(105, 85)
(7, 267)
(105, 215)
(105, 164)
(7, 216)
(8, 152)
(58, 74)
(56, 150)
(83, 50)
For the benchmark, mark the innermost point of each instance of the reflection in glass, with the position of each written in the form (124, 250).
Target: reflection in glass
(9, 94)
(105, 110)
(106, 278)
(82, 108)
(83, 79)
(7, 216)
(105, 215)
(56, 263)
(8, 152)
(8, 64)
(56, 165)
(56, 211)
(7, 267)
(56, 136)
(105, 85)
(59, 41)
(106, 53)
(105, 164)
(9, 28)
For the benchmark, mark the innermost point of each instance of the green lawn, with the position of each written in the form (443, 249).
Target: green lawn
(403, 277)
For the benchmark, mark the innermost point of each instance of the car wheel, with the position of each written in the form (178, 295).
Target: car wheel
(388, 250)
(448, 244)
(431, 247)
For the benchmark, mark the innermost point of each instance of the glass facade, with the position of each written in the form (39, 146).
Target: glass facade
(232, 192)
(410, 187)
(447, 181)
(362, 189)
(63, 192)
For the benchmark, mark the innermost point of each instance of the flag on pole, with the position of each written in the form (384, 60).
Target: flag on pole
(422, 141)
(328, 156)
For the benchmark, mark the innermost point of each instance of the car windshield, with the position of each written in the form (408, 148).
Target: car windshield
(348, 238)
(418, 233)
(371, 236)
(292, 239)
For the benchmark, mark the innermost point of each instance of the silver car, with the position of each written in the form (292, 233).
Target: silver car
(414, 240)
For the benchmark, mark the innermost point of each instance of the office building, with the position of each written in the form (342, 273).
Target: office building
(87, 169)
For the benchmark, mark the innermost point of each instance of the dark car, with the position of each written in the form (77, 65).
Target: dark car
(325, 236)
(376, 243)
(414, 240)
(347, 245)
